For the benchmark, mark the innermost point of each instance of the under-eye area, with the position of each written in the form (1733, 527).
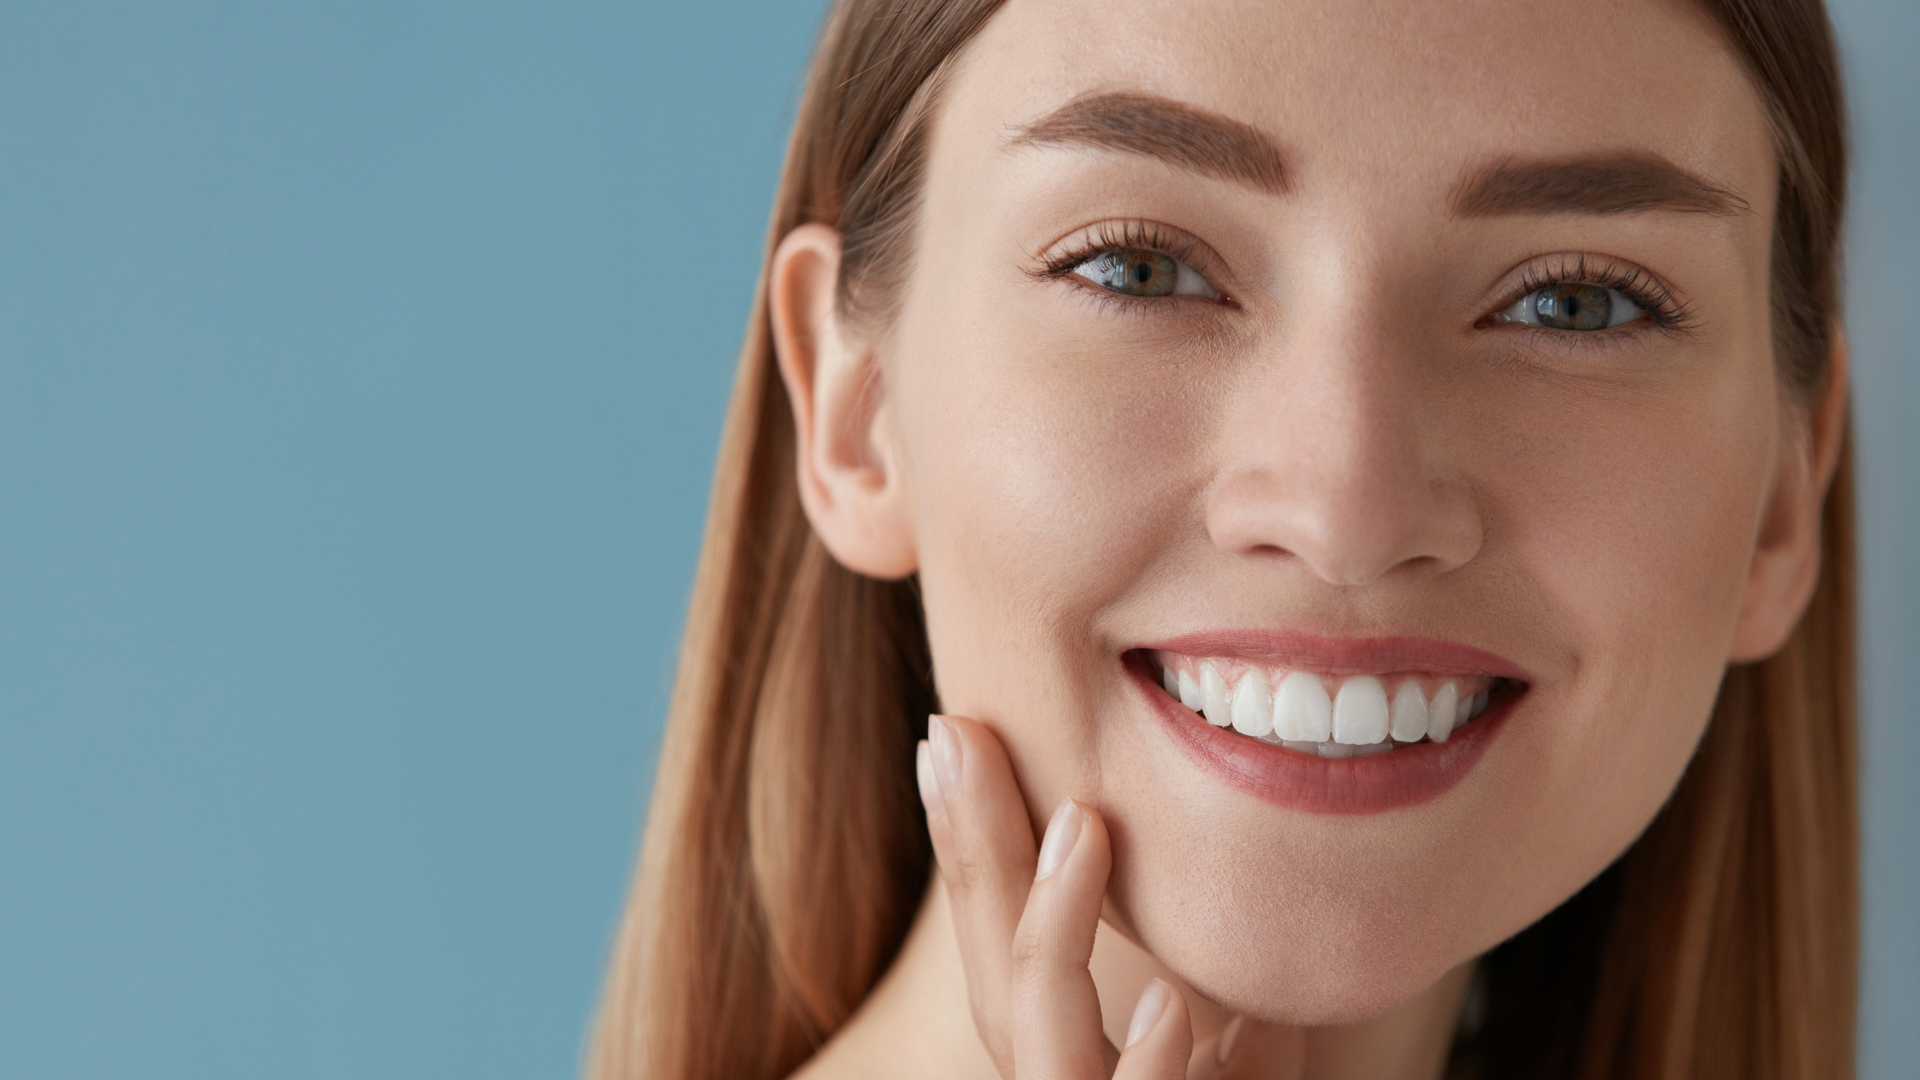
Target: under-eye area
(1326, 715)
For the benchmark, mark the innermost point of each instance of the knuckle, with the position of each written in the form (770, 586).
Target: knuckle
(968, 870)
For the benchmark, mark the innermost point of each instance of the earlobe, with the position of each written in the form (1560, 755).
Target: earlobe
(847, 468)
(1786, 559)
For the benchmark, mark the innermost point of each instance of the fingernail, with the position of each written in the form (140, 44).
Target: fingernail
(1223, 1052)
(1153, 1002)
(1062, 833)
(935, 802)
(946, 756)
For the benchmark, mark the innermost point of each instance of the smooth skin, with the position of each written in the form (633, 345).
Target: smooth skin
(1353, 447)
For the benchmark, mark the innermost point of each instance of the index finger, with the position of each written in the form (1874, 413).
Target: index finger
(983, 841)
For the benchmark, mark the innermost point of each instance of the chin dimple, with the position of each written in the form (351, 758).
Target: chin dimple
(1332, 716)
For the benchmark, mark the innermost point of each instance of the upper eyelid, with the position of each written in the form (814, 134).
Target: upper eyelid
(1573, 266)
(1594, 268)
(1110, 234)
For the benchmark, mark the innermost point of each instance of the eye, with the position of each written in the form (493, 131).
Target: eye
(1142, 272)
(1573, 306)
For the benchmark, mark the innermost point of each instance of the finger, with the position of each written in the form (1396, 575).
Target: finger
(1056, 1010)
(1218, 1058)
(1159, 1037)
(1249, 1049)
(983, 840)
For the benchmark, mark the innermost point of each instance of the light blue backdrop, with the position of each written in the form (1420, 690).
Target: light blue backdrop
(361, 367)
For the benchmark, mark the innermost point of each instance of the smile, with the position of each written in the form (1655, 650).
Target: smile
(1328, 725)
(1328, 716)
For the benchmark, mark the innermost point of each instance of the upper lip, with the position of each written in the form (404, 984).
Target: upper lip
(1330, 655)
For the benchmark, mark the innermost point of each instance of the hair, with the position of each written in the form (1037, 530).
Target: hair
(785, 853)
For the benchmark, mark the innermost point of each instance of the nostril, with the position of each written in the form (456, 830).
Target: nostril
(1348, 535)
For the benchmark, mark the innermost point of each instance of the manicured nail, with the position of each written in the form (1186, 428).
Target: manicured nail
(946, 756)
(1153, 1002)
(935, 802)
(1062, 833)
(1230, 1038)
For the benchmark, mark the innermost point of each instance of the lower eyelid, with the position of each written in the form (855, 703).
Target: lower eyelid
(1161, 306)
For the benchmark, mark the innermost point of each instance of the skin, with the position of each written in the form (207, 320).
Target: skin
(1350, 448)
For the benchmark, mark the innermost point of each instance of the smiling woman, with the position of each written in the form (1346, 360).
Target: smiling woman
(1372, 479)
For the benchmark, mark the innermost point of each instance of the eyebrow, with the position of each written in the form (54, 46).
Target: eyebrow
(1623, 183)
(1171, 131)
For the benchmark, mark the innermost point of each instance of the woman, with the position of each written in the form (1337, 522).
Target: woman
(1366, 487)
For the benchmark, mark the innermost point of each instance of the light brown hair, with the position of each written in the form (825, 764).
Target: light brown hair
(785, 853)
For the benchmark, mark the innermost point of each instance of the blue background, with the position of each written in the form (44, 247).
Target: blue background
(361, 367)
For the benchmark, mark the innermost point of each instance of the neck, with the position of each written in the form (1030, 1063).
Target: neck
(917, 1021)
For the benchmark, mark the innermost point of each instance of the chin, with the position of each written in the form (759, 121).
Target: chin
(1298, 888)
(1341, 966)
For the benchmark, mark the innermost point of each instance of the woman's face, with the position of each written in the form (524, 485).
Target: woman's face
(1345, 348)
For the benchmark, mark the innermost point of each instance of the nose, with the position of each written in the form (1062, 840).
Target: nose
(1335, 456)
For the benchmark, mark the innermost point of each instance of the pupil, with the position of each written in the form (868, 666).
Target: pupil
(1142, 271)
(1574, 307)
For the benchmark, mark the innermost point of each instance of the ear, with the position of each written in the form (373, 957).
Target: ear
(1786, 561)
(849, 476)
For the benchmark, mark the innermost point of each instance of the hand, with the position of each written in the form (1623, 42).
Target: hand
(1026, 921)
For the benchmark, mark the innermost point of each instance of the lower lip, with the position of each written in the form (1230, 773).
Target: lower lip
(1405, 776)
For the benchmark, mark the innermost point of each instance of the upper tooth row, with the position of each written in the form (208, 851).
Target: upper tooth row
(1299, 709)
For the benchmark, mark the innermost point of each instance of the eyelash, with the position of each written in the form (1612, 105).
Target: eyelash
(1665, 310)
(1655, 297)
(1109, 236)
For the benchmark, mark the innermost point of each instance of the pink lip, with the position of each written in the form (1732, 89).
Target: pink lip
(1342, 656)
(1407, 776)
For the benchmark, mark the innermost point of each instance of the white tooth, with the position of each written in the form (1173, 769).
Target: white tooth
(1213, 692)
(1463, 710)
(1360, 711)
(1479, 704)
(1375, 748)
(1303, 747)
(1171, 681)
(1441, 713)
(1331, 749)
(1409, 713)
(1301, 709)
(1252, 708)
(1190, 692)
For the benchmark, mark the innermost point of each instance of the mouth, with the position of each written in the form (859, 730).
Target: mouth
(1329, 725)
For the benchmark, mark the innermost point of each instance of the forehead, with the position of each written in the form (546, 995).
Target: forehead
(1390, 92)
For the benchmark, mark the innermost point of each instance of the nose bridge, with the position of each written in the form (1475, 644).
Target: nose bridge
(1330, 454)
(1349, 392)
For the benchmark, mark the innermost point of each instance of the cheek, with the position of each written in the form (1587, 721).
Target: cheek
(1621, 533)
(1047, 482)
(1637, 524)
